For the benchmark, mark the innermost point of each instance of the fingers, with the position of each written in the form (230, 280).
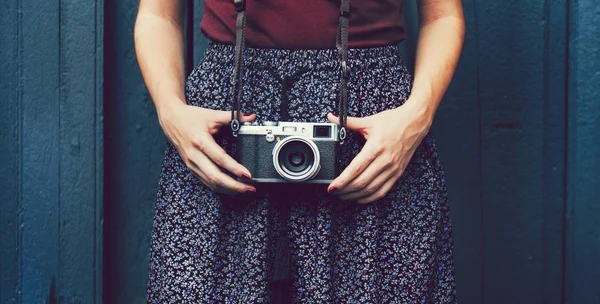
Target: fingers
(370, 188)
(375, 169)
(362, 160)
(379, 194)
(213, 177)
(246, 117)
(218, 119)
(207, 146)
(352, 123)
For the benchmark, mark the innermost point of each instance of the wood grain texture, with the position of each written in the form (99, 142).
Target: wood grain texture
(512, 90)
(79, 127)
(583, 200)
(50, 220)
(40, 104)
(554, 151)
(10, 156)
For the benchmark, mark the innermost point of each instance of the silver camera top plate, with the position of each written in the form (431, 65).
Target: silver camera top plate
(312, 130)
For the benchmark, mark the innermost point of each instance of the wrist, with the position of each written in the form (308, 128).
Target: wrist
(420, 110)
(169, 111)
(167, 107)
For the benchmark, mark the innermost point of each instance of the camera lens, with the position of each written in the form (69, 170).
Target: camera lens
(296, 158)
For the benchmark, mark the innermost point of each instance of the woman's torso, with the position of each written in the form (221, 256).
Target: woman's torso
(312, 24)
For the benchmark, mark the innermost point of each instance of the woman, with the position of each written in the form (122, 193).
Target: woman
(380, 232)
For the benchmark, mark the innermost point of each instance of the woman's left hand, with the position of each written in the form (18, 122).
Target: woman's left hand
(392, 137)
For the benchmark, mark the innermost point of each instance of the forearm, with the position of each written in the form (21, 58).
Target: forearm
(159, 50)
(438, 50)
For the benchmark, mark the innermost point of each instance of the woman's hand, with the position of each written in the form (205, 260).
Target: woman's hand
(392, 138)
(191, 130)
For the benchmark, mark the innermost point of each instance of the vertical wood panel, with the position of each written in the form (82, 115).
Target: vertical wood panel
(80, 138)
(583, 202)
(9, 151)
(49, 196)
(511, 36)
(134, 145)
(40, 153)
(457, 132)
(554, 151)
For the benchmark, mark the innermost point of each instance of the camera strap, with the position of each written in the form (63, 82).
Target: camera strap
(341, 44)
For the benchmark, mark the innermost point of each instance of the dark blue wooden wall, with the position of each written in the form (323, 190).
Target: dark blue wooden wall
(51, 151)
(518, 134)
(583, 150)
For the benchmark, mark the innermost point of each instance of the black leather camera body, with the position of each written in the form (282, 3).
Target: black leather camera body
(289, 152)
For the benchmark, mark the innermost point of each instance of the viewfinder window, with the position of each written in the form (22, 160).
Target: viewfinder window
(322, 131)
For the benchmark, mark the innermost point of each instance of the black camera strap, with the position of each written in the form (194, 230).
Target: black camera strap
(342, 49)
(240, 38)
(280, 280)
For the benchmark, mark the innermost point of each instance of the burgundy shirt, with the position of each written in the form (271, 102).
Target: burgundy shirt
(305, 24)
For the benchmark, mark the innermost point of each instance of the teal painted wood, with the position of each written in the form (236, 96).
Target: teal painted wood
(134, 145)
(80, 141)
(457, 132)
(554, 151)
(40, 196)
(583, 200)
(512, 42)
(51, 165)
(10, 157)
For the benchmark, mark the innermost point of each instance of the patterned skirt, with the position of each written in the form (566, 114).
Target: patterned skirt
(213, 248)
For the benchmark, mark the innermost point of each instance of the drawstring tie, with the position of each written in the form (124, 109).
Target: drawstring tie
(282, 271)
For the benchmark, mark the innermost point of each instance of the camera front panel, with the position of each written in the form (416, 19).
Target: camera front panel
(255, 152)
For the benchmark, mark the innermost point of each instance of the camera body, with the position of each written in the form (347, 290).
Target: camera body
(289, 152)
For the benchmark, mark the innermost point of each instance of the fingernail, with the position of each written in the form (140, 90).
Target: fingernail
(332, 189)
(249, 113)
(251, 190)
(246, 175)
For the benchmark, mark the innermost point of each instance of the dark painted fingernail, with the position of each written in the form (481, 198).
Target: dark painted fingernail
(246, 176)
(249, 113)
(251, 191)
(332, 189)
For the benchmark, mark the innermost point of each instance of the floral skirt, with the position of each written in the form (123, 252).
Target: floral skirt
(213, 248)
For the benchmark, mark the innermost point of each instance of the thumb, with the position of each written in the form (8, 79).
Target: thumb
(352, 123)
(224, 117)
(246, 117)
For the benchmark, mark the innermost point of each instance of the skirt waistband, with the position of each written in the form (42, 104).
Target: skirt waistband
(315, 59)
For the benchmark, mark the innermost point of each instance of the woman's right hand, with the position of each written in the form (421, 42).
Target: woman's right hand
(191, 130)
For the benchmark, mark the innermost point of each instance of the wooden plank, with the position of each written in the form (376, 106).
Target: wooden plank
(457, 132)
(99, 153)
(10, 152)
(40, 150)
(583, 207)
(79, 225)
(511, 78)
(554, 152)
(134, 145)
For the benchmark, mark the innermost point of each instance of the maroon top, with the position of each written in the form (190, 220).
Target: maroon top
(305, 24)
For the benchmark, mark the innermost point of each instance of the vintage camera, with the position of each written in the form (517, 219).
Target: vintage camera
(289, 152)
